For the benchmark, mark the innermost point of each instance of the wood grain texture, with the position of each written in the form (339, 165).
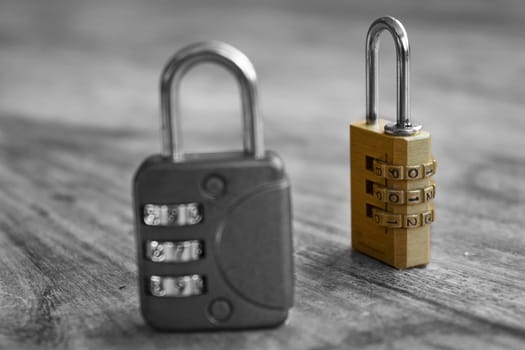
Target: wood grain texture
(79, 112)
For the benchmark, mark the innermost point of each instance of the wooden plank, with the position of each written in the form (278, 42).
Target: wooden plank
(69, 276)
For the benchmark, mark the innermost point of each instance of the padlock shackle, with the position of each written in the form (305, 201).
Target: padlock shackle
(235, 62)
(403, 126)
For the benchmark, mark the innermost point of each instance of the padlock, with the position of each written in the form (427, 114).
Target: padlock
(391, 167)
(213, 231)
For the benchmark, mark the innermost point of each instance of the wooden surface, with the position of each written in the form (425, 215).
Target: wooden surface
(79, 111)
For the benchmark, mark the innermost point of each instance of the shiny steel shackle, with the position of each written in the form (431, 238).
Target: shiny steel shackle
(236, 63)
(403, 126)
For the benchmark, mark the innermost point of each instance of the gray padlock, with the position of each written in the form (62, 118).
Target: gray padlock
(213, 231)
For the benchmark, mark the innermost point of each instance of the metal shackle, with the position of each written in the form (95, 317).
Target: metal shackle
(403, 126)
(235, 62)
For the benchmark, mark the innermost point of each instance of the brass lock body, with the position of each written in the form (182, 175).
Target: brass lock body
(392, 190)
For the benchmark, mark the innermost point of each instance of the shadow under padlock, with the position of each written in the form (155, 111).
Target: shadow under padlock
(213, 231)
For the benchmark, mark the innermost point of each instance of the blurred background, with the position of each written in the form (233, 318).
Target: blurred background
(79, 110)
(98, 63)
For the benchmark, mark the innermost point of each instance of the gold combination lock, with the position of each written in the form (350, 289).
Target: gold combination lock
(391, 166)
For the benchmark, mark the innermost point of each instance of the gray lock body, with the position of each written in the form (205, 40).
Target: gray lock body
(214, 234)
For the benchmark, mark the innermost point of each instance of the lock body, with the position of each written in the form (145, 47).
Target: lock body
(392, 194)
(214, 241)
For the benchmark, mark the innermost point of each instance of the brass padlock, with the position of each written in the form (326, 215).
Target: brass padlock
(391, 166)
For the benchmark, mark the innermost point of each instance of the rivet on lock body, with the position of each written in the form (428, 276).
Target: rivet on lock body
(213, 231)
(391, 167)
